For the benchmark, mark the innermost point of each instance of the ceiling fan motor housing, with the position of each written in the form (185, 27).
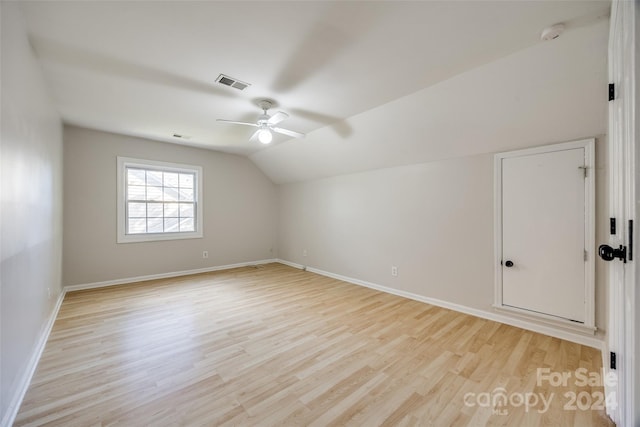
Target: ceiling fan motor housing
(266, 123)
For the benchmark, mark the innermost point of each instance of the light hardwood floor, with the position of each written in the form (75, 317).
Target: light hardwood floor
(278, 346)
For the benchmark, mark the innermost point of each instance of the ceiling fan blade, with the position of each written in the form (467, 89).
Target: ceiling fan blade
(288, 132)
(277, 118)
(236, 123)
(254, 137)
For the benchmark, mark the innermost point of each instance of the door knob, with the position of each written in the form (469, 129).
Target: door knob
(508, 263)
(608, 253)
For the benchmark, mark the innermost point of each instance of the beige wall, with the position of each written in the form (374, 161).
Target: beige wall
(434, 221)
(31, 208)
(239, 210)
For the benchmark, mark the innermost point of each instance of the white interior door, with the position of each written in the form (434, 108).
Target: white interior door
(543, 232)
(623, 395)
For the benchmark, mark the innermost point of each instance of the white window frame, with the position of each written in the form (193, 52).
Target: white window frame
(123, 164)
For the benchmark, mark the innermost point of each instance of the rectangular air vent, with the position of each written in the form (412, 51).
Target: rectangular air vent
(230, 81)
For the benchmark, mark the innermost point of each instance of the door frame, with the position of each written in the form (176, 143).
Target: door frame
(589, 199)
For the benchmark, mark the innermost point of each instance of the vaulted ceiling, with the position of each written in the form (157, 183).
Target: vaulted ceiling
(148, 68)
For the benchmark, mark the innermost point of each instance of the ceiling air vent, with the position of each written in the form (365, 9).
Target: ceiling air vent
(230, 81)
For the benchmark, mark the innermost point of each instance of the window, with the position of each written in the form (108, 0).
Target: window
(158, 201)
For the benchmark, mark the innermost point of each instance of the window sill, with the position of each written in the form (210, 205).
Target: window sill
(138, 238)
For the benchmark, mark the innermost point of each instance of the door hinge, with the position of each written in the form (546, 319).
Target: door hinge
(612, 360)
(584, 170)
(630, 240)
(585, 254)
(612, 226)
(612, 91)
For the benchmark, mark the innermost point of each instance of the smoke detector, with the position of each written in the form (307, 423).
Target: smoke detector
(552, 32)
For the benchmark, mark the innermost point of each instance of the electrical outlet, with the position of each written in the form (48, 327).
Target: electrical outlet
(394, 270)
(304, 252)
(205, 254)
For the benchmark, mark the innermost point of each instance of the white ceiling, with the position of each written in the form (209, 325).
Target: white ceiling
(550, 92)
(148, 68)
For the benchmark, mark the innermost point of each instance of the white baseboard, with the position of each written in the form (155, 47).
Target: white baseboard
(30, 368)
(290, 264)
(123, 281)
(497, 317)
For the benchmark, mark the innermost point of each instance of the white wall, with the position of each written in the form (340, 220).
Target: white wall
(239, 210)
(433, 221)
(31, 206)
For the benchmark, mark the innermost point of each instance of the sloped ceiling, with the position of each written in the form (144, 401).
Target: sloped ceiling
(366, 80)
(548, 93)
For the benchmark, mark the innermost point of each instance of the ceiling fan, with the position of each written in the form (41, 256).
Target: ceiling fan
(266, 124)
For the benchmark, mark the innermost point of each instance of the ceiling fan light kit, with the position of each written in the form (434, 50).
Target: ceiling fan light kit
(265, 136)
(266, 124)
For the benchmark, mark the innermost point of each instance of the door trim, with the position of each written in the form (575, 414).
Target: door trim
(588, 326)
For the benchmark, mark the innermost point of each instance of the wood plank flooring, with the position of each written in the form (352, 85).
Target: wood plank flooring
(278, 346)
